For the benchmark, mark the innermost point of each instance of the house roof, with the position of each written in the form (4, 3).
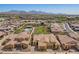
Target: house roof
(13, 36)
(42, 44)
(64, 39)
(2, 33)
(45, 38)
(55, 27)
(75, 25)
(23, 35)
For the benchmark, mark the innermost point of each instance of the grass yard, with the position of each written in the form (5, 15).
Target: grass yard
(41, 30)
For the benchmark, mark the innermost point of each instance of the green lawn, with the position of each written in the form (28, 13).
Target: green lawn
(40, 30)
(20, 29)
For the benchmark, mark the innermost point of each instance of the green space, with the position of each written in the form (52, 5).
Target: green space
(20, 29)
(41, 30)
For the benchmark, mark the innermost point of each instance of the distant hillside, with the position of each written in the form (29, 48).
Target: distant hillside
(32, 12)
(23, 12)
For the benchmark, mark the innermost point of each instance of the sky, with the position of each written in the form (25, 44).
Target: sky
(51, 8)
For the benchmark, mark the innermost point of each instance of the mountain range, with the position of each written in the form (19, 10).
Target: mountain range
(31, 12)
(24, 12)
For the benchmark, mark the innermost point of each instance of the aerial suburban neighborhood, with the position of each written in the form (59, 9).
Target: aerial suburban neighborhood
(34, 33)
(38, 32)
